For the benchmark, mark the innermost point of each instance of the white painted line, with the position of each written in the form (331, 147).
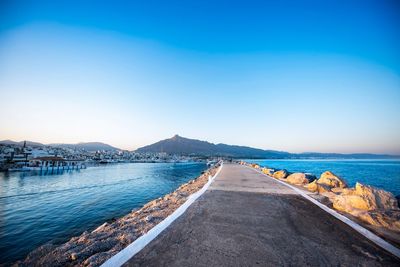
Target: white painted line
(137, 245)
(368, 234)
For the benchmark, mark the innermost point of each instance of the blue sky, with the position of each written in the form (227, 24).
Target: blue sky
(295, 76)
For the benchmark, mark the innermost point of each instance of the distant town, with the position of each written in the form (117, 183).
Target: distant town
(28, 156)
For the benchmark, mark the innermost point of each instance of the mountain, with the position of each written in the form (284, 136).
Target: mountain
(21, 143)
(89, 146)
(186, 146)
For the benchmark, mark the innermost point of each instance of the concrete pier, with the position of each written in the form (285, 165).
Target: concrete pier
(248, 219)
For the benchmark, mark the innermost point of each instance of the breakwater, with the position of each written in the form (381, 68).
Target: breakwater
(376, 209)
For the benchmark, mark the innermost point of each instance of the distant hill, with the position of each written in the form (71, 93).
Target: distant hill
(89, 146)
(186, 146)
(21, 143)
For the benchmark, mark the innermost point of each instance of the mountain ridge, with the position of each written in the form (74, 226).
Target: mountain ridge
(89, 146)
(186, 146)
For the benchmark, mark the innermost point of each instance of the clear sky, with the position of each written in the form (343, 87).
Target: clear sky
(295, 75)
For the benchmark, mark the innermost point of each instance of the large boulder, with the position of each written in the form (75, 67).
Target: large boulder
(377, 198)
(387, 219)
(298, 178)
(365, 198)
(281, 174)
(331, 180)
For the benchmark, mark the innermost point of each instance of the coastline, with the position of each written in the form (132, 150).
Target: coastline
(95, 247)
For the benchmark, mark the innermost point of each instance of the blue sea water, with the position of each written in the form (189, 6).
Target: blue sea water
(384, 174)
(35, 209)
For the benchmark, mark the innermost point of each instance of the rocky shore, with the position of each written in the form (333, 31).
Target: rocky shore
(375, 209)
(94, 248)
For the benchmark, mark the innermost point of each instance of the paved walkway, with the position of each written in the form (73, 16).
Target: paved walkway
(248, 219)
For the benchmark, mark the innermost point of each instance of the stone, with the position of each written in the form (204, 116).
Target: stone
(256, 166)
(323, 199)
(387, 219)
(314, 186)
(73, 256)
(268, 171)
(298, 178)
(378, 199)
(331, 180)
(100, 228)
(365, 198)
(322, 188)
(311, 177)
(282, 174)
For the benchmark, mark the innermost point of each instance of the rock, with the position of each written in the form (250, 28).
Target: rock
(311, 177)
(322, 188)
(298, 178)
(256, 166)
(100, 228)
(73, 256)
(387, 219)
(365, 198)
(398, 200)
(314, 186)
(348, 203)
(322, 199)
(282, 174)
(378, 199)
(268, 171)
(338, 190)
(331, 180)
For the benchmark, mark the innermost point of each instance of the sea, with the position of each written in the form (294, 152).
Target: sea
(36, 208)
(384, 174)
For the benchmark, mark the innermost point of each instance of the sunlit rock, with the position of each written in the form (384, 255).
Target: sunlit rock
(331, 180)
(314, 186)
(387, 219)
(282, 174)
(366, 198)
(300, 178)
(268, 171)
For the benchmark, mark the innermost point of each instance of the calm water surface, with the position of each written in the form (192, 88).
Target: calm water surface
(35, 209)
(384, 174)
